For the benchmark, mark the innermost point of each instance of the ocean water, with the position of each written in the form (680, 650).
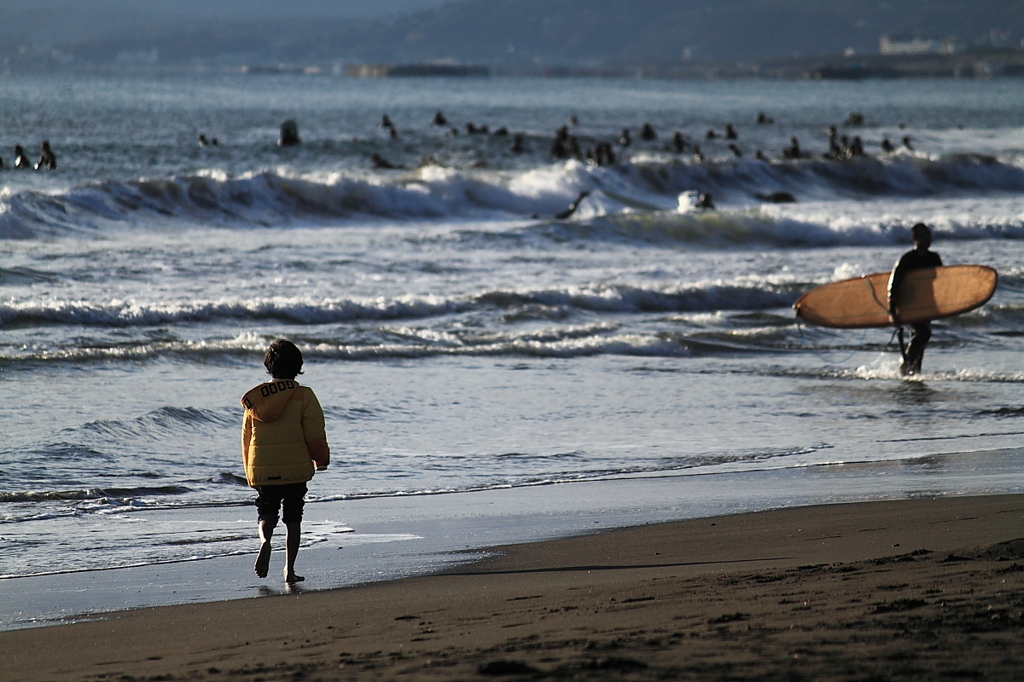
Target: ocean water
(459, 337)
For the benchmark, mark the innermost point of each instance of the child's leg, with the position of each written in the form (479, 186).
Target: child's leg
(268, 503)
(262, 566)
(294, 501)
(291, 552)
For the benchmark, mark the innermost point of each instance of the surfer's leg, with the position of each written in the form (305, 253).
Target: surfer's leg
(920, 334)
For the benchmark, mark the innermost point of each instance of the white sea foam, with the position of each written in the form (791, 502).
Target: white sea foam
(746, 293)
(433, 192)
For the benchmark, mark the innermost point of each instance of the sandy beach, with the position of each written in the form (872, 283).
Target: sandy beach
(907, 589)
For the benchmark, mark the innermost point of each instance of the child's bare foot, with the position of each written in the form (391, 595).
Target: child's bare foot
(262, 566)
(292, 577)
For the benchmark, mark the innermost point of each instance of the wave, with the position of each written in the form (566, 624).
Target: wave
(752, 295)
(409, 342)
(823, 179)
(516, 304)
(160, 423)
(435, 193)
(750, 315)
(747, 227)
(92, 494)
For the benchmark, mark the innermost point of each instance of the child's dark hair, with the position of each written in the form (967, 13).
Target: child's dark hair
(283, 360)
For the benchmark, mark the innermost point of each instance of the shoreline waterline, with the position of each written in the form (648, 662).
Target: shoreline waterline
(382, 539)
(807, 592)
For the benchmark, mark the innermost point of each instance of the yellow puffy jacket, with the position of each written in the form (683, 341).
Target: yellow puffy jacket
(282, 434)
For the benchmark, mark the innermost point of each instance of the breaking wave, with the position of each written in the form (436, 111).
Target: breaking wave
(652, 187)
(757, 294)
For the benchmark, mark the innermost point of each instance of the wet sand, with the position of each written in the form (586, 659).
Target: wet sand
(912, 589)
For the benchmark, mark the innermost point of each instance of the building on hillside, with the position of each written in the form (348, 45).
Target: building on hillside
(900, 46)
(414, 70)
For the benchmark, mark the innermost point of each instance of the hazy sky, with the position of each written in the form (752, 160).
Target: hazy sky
(47, 22)
(260, 8)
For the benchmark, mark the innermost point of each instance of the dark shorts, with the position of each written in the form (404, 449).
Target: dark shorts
(270, 498)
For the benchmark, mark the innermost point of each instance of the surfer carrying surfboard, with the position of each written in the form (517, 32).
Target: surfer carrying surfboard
(920, 332)
(915, 292)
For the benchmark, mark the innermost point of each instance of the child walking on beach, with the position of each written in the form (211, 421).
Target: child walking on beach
(283, 440)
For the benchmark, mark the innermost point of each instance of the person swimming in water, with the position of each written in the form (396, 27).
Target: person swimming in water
(381, 163)
(20, 158)
(47, 159)
(705, 202)
(559, 145)
(573, 206)
(572, 147)
(603, 154)
(835, 151)
(678, 143)
(289, 134)
(387, 124)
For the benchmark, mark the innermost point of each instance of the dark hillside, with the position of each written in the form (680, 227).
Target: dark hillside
(587, 31)
(538, 33)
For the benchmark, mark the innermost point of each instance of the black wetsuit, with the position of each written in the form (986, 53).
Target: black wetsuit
(921, 332)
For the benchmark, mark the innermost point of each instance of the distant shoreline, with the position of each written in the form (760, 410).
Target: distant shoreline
(968, 64)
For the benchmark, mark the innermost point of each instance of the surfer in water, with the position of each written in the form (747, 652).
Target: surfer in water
(573, 206)
(705, 202)
(20, 158)
(921, 332)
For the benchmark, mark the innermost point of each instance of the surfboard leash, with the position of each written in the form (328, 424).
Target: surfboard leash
(822, 356)
(898, 332)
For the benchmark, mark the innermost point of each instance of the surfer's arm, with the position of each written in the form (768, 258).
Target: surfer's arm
(892, 308)
(891, 299)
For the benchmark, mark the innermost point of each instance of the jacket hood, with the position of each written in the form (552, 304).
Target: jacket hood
(268, 401)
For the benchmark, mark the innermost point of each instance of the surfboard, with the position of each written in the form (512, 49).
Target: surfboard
(632, 202)
(925, 294)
